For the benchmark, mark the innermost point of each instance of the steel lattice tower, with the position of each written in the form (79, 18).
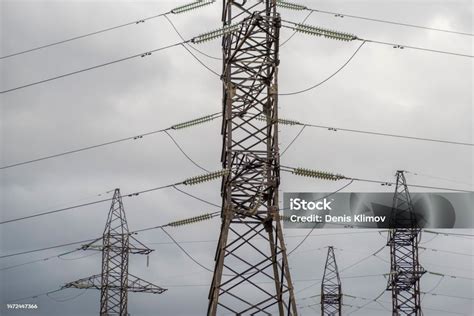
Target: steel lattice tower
(403, 239)
(251, 273)
(115, 282)
(331, 292)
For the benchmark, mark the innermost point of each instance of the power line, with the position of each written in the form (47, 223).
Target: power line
(189, 45)
(369, 302)
(412, 185)
(294, 32)
(448, 251)
(342, 15)
(374, 254)
(177, 10)
(85, 204)
(451, 296)
(184, 153)
(86, 35)
(376, 133)
(35, 296)
(46, 248)
(328, 78)
(158, 243)
(438, 178)
(144, 54)
(293, 141)
(135, 137)
(185, 252)
(400, 46)
(349, 37)
(195, 197)
(447, 233)
(335, 129)
(66, 299)
(309, 233)
(89, 240)
(327, 175)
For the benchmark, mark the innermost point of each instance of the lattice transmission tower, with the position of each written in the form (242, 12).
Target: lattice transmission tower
(251, 274)
(331, 292)
(115, 282)
(403, 239)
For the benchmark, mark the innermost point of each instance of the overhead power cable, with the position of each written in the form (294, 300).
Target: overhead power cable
(143, 54)
(184, 153)
(447, 233)
(309, 233)
(35, 296)
(447, 251)
(335, 177)
(283, 121)
(328, 78)
(189, 181)
(335, 129)
(162, 243)
(178, 10)
(190, 46)
(197, 121)
(187, 221)
(447, 295)
(347, 37)
(197, 40)
(299, 7)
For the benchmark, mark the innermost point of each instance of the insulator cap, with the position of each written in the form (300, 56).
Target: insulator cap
(215, 34)
(319, 31)
(197, 121)
(192, 220)
(290, 5)
(280, 121)
(191, 6)
(206, 177)
(317, 174)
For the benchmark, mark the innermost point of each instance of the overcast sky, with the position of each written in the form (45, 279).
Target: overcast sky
(383, 89)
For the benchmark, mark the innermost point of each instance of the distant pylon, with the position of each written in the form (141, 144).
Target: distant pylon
(331, 292)
(115, 282)
(403, 239)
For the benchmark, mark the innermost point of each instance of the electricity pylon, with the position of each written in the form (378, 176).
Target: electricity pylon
(115, 282)
(403, 239)
(331, 292)
(251, 274)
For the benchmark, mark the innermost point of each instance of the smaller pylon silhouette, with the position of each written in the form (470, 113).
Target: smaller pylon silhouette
(115, 282)
(403, 239)
(331, 292)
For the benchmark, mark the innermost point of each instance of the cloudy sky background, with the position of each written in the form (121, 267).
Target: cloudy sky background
(383, 89)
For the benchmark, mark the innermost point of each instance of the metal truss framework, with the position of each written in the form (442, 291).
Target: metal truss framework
(115, 282)
(251, 274)
(331, 292)
(403, 239)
